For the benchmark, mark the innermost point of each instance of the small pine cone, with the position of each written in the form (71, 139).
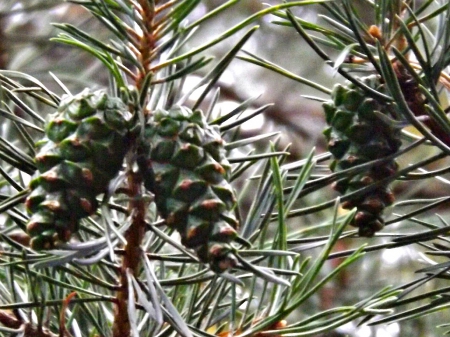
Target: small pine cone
(83, 149)
(357, 135)
(184, 165)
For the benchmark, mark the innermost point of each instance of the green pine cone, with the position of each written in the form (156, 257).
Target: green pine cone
(83, 149)
(185, 167)
(357, 135)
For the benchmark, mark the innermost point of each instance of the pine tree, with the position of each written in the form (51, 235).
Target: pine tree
(134, 203)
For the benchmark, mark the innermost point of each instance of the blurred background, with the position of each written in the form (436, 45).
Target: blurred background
(25, 46)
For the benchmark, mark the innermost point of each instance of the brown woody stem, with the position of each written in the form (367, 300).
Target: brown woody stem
(131, 256)
(137, 207)
(12, 321)
(143, 46)
(3, 49)
(147, 40)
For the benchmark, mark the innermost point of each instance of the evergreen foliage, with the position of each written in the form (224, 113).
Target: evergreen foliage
(143, 208)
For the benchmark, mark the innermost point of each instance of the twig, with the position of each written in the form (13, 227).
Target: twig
(131, 256)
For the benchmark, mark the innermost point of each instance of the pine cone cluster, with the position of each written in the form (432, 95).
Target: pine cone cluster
(181, 157)
(83, 149)
(357, 135)
(186, 169)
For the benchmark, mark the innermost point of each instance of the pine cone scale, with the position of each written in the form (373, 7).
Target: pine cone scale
(186, 168)
(83, 149)
(356, 135)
